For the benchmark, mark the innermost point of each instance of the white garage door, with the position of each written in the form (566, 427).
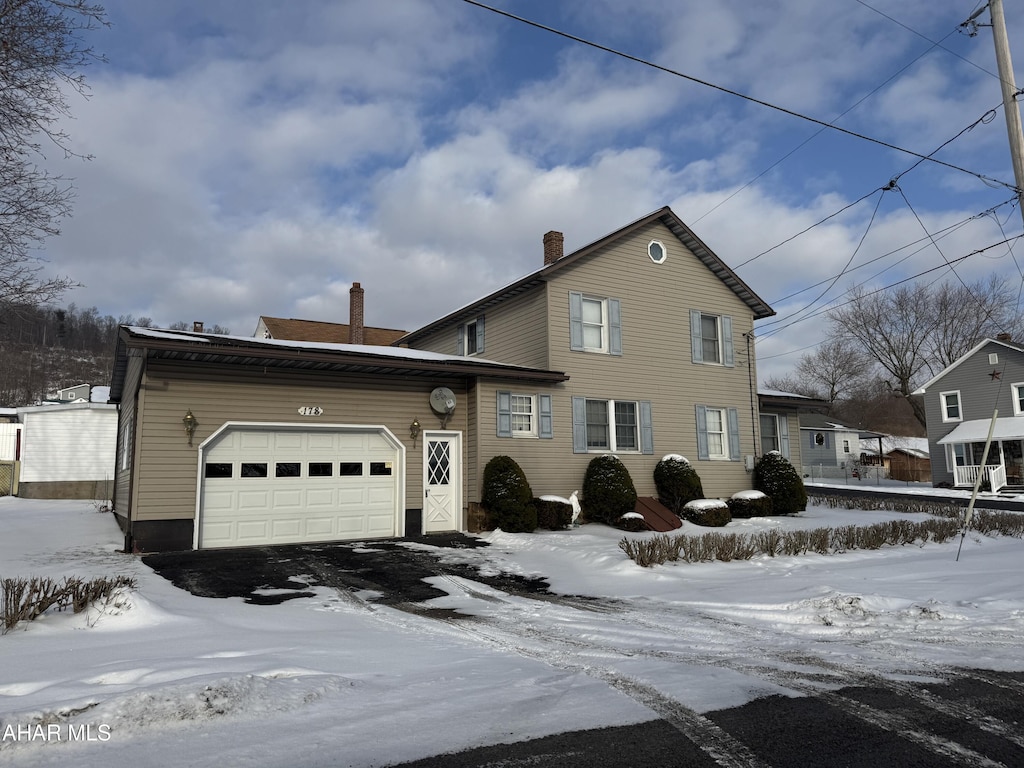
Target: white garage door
(285, 485)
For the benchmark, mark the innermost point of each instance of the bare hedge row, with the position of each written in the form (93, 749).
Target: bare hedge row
(725, 547)
(24, 599)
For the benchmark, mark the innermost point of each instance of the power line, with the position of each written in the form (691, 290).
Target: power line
(887, 287)
(729, 91)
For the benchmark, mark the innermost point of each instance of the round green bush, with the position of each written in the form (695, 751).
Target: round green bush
(750, 504)
(608, 490)
(779, 480)
(677, 483)
(507, 496)
(707, 512)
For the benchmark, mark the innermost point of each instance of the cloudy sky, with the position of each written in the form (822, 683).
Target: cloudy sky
(256, 158)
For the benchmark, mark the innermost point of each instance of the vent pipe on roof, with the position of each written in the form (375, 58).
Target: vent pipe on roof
(355, 314)
(553, 247)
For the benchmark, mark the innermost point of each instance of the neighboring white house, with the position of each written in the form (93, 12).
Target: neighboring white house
(67, 451)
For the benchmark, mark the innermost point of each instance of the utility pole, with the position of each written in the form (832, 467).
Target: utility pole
(1010, 108)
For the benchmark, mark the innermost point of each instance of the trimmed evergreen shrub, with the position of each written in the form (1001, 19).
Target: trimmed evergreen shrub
(750, 504)
(677, 483)
(633, 522)
(708, 512)
(553, 515)
(608, 490)
(507, 497)
(776, 477)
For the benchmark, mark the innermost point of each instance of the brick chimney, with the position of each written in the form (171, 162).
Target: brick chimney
(355, 314)
(552, 247)
(197, 326)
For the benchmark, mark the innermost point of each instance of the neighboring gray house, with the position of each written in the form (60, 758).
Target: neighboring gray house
(779, 422)
(825, 442)
(959, 404)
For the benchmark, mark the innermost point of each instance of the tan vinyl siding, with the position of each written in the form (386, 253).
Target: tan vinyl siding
(514, 332)
(655, 364)
(127, 429)
(167, 466)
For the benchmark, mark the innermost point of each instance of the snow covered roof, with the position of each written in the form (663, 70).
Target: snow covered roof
(199, 347)
(819, 422)
(976, 431)
(915, 446)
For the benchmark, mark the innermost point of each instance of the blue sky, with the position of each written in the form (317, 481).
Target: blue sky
(255, 159)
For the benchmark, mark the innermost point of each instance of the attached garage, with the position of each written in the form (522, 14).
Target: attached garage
(289, 483)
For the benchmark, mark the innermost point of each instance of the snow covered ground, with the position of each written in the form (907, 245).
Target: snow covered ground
(164, 676)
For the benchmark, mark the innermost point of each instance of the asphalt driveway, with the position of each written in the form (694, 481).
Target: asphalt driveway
(392, 572)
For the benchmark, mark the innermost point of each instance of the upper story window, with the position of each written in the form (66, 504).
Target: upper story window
(595, 324)
(471, 337)
(950, 404)
(711, 338)
(1018, 399)
(656, 250)
(595, 328)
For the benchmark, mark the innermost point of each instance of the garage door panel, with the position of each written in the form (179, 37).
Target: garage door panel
(252, 530)
(253, 500)
(290, 498)
(342, 500)
(284, 441)
(253, 440)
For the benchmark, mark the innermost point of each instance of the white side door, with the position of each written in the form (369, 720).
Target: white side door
(442, 481)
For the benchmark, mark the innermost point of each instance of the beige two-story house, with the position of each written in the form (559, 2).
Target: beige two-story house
(639, 344)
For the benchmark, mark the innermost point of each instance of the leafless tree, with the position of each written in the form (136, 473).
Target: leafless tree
(966, 314)
(913, 332)
(42, 55)
(894, 328)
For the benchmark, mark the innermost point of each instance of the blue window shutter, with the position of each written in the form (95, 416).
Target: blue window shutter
(702, 433)
(579, 425)
(460, 340)
(546, 426)
(734, 434)
(504, 414)
(614, 327)
(727, 352)
(784, 435)
(575, 321)
(696, 345)
(646, 428)
(480, 334)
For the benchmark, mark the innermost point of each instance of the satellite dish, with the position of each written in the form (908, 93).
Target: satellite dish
(442, 400)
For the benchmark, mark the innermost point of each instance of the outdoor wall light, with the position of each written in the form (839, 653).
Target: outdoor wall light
(190, 426)
(414, 431)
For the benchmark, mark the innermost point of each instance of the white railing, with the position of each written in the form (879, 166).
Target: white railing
(968, 475)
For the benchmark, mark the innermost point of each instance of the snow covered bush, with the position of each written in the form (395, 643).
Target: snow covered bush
(507, 496)
(608, 490)
(713, 513)
(777, 478)
(677, 483)
(553, 515)
(750, 504)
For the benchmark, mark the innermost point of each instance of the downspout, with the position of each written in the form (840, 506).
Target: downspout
(753, 393)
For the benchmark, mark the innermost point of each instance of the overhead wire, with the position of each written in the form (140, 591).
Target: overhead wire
(731, 92)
